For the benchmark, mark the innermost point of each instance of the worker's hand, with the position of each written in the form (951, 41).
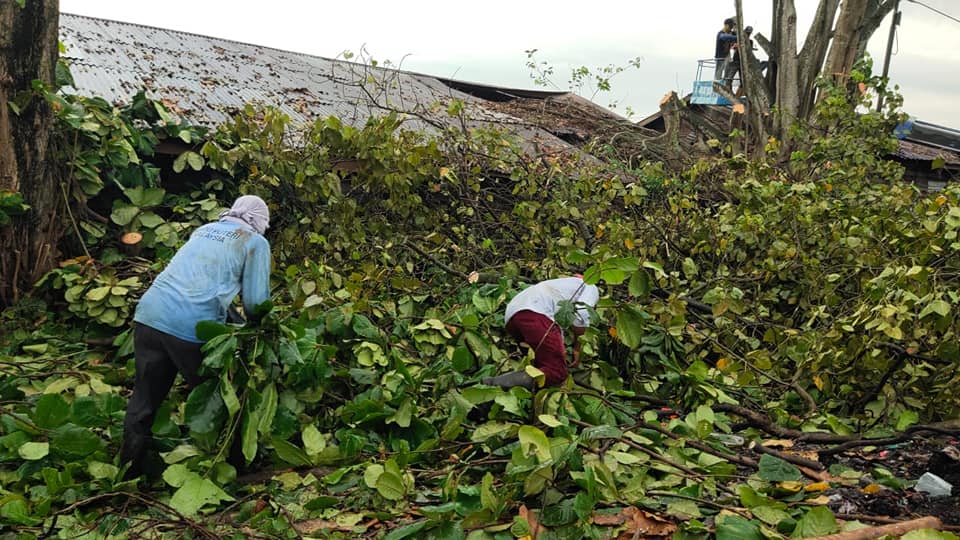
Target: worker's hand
(234, 316)
(576, 355)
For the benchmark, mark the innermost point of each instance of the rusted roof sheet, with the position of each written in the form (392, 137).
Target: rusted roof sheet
(205, 79)
(914, 151)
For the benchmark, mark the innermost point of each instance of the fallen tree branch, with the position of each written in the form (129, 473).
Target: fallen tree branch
(698, 500)
(733, 458)
(182, 521)
(760, 421)
(790, 458)
(480, 277)
(886, 520)
(904, 436)
(416, 249)
(659, 457)
(894, 529)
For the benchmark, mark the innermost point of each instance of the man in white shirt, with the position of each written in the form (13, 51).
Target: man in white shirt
(531, 318)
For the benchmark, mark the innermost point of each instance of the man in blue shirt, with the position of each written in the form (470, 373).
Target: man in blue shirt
(220, 260)
(725, 40)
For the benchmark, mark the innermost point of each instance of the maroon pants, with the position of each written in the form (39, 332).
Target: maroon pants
(538, 331)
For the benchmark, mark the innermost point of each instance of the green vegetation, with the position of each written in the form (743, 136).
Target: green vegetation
(810, 299)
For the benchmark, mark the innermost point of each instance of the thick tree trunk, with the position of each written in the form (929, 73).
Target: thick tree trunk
(813, 54)
(876, 12)
(28, 52)
(788, 89)
(787, 94)
(754, 85)
(846, 40)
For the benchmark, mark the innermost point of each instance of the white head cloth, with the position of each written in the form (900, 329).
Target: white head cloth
(249, 210)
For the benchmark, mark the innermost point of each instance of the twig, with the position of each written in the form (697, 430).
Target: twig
(431, 258)
(704, 502)
(196, 527)
(733, 458)
(893, 529)
(875, 391)
(901, 437)
(66, 199)
(73, 221)
(760, 421)
(659, 457)
(293, 524)
(885, 520)
(790, 458)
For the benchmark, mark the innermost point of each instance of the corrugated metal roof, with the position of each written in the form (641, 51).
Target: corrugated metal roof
(922, 152)
(204, 79)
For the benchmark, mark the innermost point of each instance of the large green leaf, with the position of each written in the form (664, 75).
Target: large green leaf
(289, 352)
(773, 469)
(150, 220)
(52, 411)
(737, 528)
(403, 415)
(219, 351)
(205, 411)
(818, 521)
(364, 328)
(207, 330)
(74, 441)
(594, 433)
(123, 214)
(313, 441)
(639, 284)
(97, 294)
(532, 438)
(99, 470)
(390, 486)
(630, 325)
(195, 493)
(268, 409)
(14, 509)
(407, 531)
(229, 395)
(479, 345)
(145, 197)
(33, 451)
(248, 432)
(493, 429)
(462, 360)
(290, 453)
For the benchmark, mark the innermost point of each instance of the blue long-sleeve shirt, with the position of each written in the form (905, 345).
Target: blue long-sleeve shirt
(218, 261)
(724, 41)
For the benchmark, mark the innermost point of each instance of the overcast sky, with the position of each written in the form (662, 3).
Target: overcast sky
(485, 42)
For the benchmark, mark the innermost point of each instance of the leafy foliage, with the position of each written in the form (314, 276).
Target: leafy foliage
(779, 288)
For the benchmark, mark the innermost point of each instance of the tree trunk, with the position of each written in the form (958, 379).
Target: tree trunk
(788, 88)
(813, 54)
(28, 52)
(876, 12)
(790, 85)
(754, 85)
(846, 40)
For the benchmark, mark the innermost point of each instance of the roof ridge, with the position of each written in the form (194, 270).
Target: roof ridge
(228, 40)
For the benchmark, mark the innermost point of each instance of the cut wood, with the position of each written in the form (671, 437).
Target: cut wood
(131, 238)
(894, 529)
(131, 242)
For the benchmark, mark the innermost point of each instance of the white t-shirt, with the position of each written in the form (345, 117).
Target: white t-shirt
(543, 298)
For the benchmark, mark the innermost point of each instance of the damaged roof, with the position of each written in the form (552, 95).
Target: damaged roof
(205, 79)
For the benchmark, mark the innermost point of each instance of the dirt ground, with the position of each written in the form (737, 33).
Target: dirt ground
(907, 461)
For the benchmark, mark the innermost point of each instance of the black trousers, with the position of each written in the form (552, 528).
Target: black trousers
(158, 358)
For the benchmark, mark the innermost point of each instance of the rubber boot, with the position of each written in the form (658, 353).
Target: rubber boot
(509, 380)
